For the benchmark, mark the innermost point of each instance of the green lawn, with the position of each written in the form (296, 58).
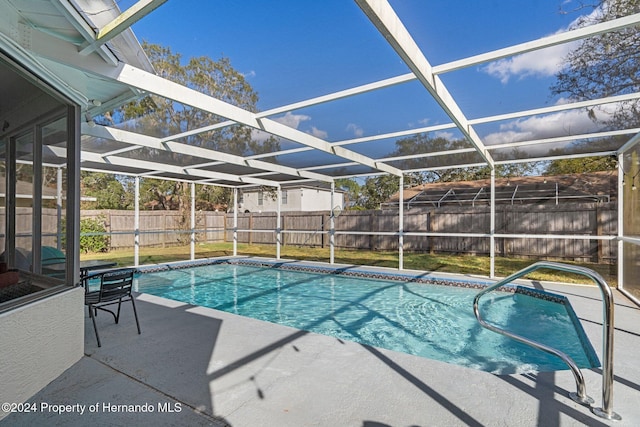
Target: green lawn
(464, 264)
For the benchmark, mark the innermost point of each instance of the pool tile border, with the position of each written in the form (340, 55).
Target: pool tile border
(356, 272)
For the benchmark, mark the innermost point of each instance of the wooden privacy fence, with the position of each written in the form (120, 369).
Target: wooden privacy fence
(373, 230)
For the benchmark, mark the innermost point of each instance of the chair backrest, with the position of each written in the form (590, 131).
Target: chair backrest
(115, 284)
(51, 255)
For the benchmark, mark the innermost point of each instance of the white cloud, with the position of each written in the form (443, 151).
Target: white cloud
(292, 120)
(259, 135)
(355, 129)
(539, 63)
(318, 133)
(570, 122)
(289, 119)
(250, 74)
(449, 136)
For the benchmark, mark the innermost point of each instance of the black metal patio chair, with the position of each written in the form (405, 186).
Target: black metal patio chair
(109, 288)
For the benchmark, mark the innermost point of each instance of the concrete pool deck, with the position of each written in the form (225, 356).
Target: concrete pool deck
(197, 366)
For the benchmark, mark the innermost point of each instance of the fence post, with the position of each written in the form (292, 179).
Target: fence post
(505, 230)
(372, 236)
(599, 227)
(224, 228)
(430, 229)
(323, 222)
(283, 227)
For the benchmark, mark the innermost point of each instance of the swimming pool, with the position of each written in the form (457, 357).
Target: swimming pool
(401, 314)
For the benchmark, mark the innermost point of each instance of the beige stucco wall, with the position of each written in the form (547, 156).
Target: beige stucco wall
(38, 342)
(298, 200)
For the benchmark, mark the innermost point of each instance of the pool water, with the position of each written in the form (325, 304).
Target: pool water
(432, 321)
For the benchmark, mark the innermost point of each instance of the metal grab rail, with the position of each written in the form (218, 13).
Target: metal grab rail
(607, 337)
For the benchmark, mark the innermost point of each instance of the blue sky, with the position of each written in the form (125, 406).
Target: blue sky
(296, 49)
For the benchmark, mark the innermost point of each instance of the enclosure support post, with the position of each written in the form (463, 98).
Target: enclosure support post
(235, 221)
(278, 221)
(492, 227)
(10, 210)
(332, 225)
(59, 208)
(136, 223)
(401, 225)
(620, 282)
(193, 221)
(73, 194)
(36, 217)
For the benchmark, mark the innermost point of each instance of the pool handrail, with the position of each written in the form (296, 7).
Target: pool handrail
(607, 339)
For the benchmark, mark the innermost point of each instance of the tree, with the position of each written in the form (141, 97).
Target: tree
(423, 143)
(159, 194)
(580, 165)
(108, 190)
(377, 190)
(605, 65)
(211, 198)
(163, 117)
(584, 164)
(352, 189)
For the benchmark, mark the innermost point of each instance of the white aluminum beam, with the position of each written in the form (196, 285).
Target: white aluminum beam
(199, 130)
(121, 23)
(309, 102)
(340, 94)
(176, 147)
(287, 132)
(382, 15)
(432, 154)
(280, 153)
(327, 166)
(389, 135)
(560, 156)
(511, 145)
(557, 108)
(544, 42)
(154, 166)
(481, 120)
(630, 143)
(565, 138)
(145, 81)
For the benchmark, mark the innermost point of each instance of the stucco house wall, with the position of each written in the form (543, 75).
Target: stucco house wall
(302, 199)
(40, 341)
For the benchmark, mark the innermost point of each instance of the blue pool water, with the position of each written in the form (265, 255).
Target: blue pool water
(432, 321)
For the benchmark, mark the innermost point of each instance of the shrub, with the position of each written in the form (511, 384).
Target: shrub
(91, 242)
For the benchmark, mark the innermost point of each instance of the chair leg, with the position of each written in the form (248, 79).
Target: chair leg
(95, 327)
(135, 313)
(117, 316)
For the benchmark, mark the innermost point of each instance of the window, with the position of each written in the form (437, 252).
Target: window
(35, 204)
(260, 198)
(285, 195)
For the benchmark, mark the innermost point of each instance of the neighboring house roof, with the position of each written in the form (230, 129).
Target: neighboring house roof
(583, 187)
(25, 189)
